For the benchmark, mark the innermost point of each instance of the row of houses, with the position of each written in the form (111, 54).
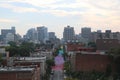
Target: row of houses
(22, 68)
(88, 59)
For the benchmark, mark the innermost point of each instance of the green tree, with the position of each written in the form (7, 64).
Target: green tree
(24, 49)
(108, 70)
(115, 52)
(49, 64)
(12, 43)
(1, 59)
(92, 44)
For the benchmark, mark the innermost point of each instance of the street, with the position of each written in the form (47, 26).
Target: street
(57, 75)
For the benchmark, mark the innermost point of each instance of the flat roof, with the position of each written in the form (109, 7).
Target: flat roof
(16, 69)
(31, 58)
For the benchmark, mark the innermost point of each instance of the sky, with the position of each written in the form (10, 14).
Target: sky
(57, 14)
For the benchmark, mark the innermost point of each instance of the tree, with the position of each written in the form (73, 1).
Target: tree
(23, 49)
(92, 44)
(49, 64)
(11, 43)
(0, 59)
(116, 58)
(108, 70)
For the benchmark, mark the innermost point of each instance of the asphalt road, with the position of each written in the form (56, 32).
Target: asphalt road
(57, 75)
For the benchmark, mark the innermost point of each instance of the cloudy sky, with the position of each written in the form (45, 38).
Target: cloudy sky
(57, 14)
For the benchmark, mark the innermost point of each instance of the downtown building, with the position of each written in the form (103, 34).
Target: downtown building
(86, 34)
(108, 34)
(32, 35)
(106, 40)
(68, 34)
(8, 35)
(42, 34)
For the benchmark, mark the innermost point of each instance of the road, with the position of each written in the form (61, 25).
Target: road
(57, 75)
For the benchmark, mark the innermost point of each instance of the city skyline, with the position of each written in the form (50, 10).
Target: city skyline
(57, 14)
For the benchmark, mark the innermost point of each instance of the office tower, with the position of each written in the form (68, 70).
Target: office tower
(108, 34)
(86, 33)
(52, 35)
(4, 32)
(68, 34)
(42, 34)
(32, 35)
(10, 37)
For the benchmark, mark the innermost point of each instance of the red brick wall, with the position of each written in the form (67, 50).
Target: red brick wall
(90, 62)
(106, 44)
(73, 47)
(14, 76)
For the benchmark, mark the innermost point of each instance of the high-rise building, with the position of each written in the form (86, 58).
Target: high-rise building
(42, 34)
(86, 33)
(10, 37)
(32, 35)
(5, 32)
(68, 34)
(52, 35)
(108, 34)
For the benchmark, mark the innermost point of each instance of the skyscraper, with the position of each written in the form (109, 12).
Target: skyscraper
(86, 33)
(42, 34)
(4, 33)
(32, 35)
(68, 34)
(52, 35)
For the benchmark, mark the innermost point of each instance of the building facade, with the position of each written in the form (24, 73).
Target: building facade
(19, 73)
(68, 34)
(86, 33)
(88, 62)
(42, 34)
(107, 44)
(6, 32)
(32, 35)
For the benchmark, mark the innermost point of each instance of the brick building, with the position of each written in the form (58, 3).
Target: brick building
(90, 61)
(106, 44)
(78, 47)
(28, 61)
(19, 73)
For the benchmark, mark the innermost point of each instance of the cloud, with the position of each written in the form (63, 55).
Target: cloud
(3, 20)
(18, 8)
(63, 8)
(34, 24)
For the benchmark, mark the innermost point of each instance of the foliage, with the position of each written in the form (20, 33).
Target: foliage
(116, 57)
(23, 49)
(114, 51)
(108, 70)
(1, 59)
(49, 64)
(93, 75)
(92, 44)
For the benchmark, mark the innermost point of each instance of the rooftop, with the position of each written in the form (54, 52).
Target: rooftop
(14, 69)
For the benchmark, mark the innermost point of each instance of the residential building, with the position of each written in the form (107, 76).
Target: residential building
(108, 34)
(52, 35)
(20, 73)
(42, 34)
(90, 61)
(86, 33)
(10, 37)
(4, 32)
(27, 61)
(107, 44)
(68, 34)
(32, 35)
